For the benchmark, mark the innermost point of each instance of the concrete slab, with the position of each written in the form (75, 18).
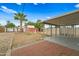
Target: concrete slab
(72, 43)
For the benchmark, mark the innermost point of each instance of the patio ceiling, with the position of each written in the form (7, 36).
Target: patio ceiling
(71, 18)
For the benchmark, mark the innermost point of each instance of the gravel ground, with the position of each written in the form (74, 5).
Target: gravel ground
(5, 42)
(21, 39)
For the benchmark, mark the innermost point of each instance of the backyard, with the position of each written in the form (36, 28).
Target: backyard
(14, 40)
(28, 43)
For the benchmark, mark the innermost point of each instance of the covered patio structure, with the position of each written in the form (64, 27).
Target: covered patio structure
(66, 28)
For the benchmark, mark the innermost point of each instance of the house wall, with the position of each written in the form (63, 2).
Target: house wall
(31, 30)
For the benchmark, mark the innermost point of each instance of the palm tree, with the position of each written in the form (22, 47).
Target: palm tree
(17, 28)
(30, 23)
(39, 25)
(7, 25)
(21, 18)
(10, 25)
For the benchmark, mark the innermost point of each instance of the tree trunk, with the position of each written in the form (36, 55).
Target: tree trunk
(39, 29)
(21, 30)
(13, 29)
(6, 29)
(17, 29)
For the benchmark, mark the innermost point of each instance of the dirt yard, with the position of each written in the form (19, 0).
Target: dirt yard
(5, 42)
(14, 40)
(21, 39)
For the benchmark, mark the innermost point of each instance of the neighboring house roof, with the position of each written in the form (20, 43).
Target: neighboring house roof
(70, 18)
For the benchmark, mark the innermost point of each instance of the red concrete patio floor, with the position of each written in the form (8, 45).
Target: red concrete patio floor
(45, 48)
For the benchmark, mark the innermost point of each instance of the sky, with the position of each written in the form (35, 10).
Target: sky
(34, 11)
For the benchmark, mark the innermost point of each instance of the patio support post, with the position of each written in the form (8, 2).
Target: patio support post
(55, 30)
(72, 31)
(75, 31)
(64, 31)
(44, 30)
(67, 32)
(51, 30)
(59, 30)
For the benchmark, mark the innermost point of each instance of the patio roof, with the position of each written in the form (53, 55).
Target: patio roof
(70, 18)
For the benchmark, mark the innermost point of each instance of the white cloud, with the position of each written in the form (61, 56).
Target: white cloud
(35, 3)
(77, 5)
(18, 3)
(7, 10)
(38, 3)
(48, 17)
(3, 7)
